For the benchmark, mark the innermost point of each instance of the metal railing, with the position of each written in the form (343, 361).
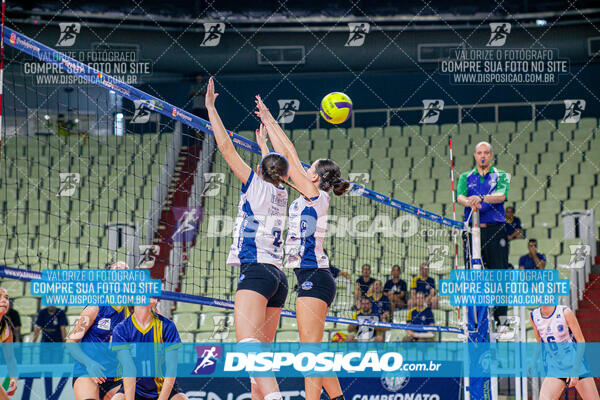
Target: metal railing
(462, 110)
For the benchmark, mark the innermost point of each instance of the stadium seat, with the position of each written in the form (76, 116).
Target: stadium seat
(468, 128)
(487, 128)
(411, 130)
(392, 131)
(287, 336)
(26, 305)
(587, 123)
(546, 125)
(525, 127)
(186, 322)
(356, 133)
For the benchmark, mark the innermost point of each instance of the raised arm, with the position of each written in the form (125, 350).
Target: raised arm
(231, 156)
(282, 144)
(261, 140)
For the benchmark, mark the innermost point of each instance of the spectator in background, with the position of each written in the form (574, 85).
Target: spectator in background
(513, 225)
(15, 318)
(362, 285)
(533, 259)
(52, 323)
(423, 283)
(420, 314)
(196, 97)
(366, 333)
(395, 290)
(381, 303)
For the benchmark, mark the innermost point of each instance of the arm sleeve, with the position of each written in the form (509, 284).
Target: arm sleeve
(430, 318)
(388, 286)
(521, 261)
(119, 337)
(432, 282)
(402, 285)
(246, 185)
(502, 185)
(518, 223)
(461, 187)
(171, 336)
(62, 318)
(39, 321)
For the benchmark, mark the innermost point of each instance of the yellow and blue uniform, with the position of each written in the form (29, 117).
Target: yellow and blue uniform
(381, 304)
(100, 331)
(420, 316)
(422, 285)
(160, 330)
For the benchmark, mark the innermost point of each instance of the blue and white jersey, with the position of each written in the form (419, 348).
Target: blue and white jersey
(558, 357)
(259, 224)
(554, 328)
(306, 231)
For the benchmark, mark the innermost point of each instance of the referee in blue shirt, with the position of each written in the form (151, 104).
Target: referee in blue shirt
(485, 189)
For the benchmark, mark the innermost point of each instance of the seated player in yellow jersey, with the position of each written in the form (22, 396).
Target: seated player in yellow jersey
(419, 315)
(147, 326)
(381, 303)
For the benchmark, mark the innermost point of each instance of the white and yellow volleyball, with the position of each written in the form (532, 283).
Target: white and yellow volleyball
(336, 108)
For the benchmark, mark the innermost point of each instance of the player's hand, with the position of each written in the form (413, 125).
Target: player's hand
(12, 387)
(572, 381)
(211, 96)
(96, 370)
(261, 136)
(262, 111)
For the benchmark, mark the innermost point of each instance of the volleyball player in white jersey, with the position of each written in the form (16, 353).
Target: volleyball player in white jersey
(558, 324)
(257, 246)
(304, 244)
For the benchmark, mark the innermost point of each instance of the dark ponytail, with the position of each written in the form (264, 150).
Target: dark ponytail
(274, 168)
(330, 175)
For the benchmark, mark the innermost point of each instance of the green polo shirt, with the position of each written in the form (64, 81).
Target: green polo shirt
(472, 184)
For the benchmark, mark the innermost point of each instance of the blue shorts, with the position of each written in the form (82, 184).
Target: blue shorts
(317, 283)
(265, 279)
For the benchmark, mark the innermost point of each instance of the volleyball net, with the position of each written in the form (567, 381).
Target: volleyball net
(94, 170)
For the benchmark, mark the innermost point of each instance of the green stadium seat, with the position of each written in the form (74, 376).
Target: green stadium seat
(392, 131)
(546, 125)
(186, 322)
(287, 336)
(587, 123)
(411, 130)
(487, 128)
(574, 204)
(449, 129)
(549, 205)
(356, 133)
(557, 191)
(468, 128)
(247, 134)
(506, 126)
(430, 130)
(568, 167)
(545, 220)
(564, 131)
(26, 305)
(337, 132)
(187, 337)
(300, 134)
(524, 127)
(580, 193)
(14, 287)
(531, 159)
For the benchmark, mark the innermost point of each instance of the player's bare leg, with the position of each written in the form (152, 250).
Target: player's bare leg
(552, 389)
(587, 389)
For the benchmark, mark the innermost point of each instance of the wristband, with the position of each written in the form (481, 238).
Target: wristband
(481, 197)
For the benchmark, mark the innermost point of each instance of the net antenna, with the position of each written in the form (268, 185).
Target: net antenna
(2, 72)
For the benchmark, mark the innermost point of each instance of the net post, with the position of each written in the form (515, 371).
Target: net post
(2, 72)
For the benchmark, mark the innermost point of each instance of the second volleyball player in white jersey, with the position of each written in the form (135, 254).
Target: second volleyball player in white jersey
(304, 244)
(257, 244)
(558, 324)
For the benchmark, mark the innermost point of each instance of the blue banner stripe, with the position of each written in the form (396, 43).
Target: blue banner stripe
(51, 56)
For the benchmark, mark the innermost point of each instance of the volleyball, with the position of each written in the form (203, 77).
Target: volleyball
(336, 107)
